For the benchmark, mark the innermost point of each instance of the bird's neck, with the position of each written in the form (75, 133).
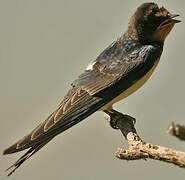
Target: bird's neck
(134, 41)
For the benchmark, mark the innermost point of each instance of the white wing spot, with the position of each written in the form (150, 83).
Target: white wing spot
(90, 66)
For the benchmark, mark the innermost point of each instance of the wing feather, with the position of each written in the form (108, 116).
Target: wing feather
(92, 90)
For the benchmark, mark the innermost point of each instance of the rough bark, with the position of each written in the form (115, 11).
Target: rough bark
(139, 149)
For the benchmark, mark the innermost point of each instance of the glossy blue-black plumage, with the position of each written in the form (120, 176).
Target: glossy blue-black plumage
(124, 57)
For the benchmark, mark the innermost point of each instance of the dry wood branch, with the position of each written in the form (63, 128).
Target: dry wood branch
(177, 130)
(141, 150)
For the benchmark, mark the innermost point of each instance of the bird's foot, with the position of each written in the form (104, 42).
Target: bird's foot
(112, 116)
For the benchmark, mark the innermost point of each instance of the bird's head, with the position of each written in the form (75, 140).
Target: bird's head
(151, 23)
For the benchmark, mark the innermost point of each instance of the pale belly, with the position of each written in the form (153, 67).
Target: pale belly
(131, 89)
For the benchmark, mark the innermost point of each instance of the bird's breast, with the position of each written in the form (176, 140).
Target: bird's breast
(132, 88)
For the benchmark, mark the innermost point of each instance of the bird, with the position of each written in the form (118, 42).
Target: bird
(121, 69)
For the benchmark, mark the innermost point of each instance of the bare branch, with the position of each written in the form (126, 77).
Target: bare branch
(177, 130)
(139, 149)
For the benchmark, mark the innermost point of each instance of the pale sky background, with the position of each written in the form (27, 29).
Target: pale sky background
(44, 46)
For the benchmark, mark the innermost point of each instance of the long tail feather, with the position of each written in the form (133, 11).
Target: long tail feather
(26, 156)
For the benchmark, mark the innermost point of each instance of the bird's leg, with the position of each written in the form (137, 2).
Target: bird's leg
(112, 116)
(120, 121)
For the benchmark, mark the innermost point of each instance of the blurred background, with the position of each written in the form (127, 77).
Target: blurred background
(44, 46)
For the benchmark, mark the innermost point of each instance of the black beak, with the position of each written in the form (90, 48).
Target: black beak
(175, 20)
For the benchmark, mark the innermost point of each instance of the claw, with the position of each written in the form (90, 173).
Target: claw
(130, 118)
(113, 116)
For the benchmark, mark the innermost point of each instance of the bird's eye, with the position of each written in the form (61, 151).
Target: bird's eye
(156, 10)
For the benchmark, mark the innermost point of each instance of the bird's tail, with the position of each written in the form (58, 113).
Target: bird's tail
(26, 156)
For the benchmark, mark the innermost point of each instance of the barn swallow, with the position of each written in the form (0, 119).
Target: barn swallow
(117, 72)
